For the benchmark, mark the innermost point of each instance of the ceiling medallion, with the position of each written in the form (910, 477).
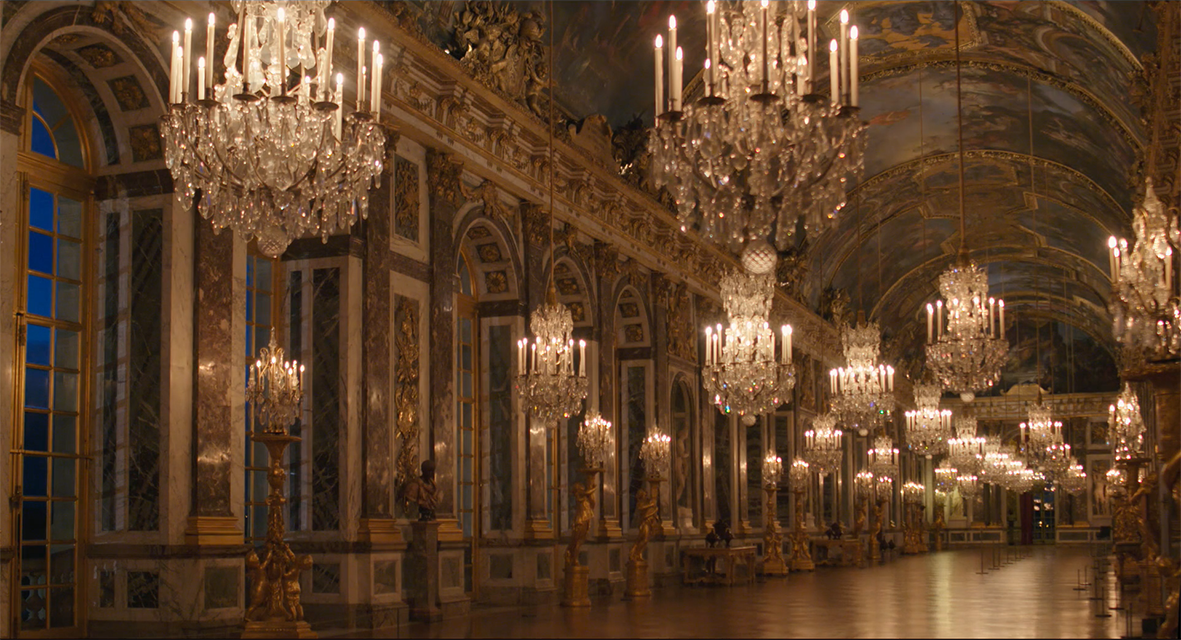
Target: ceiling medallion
(763, 150)
(269, 149)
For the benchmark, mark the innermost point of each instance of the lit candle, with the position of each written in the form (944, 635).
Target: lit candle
(710, 8)
(890, 377)
(833, 72)
(853, 92)
(659, 75)
(672, 70)
(375, 81)
(832, 381)
(582, 358)
(1111, 244)
(676, 88)
(844, 50)
(207, 78)
(187, 62)
(789, 332)
(811, 43)
(992, 317)
(939, 318)
(380, 66)
(328, 43)
(1169, 269)
(283, 49)
(173, 80)
(1001, 304)
(930, 321)
(360, 67)
(201, 74)
(339, 103)
(709, 342)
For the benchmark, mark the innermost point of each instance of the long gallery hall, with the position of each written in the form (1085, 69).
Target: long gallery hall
(590, 318)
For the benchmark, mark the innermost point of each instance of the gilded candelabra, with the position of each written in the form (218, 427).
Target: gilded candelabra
(594, 440)
(773, 564)
(655, 454)
(801, 555)
(912, 534)
(882, 497)
(274, 391)
(939, 524)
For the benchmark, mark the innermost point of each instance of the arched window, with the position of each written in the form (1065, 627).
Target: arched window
(52, 317)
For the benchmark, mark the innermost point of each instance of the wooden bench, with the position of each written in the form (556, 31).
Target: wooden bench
(717, 565)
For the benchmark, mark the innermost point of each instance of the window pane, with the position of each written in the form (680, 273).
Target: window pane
(69, 217)
(262, 308)
(40, 209)
(65, 391)
(40, 252)
(61, 563)
(36, 431)
(249, 306)
(37, 345)
(40, 301)
(65, 438)
(34, 515)
(67, 302)
(262, 337)
(36, 388)
(65, 352)
(63, 477)
(61, 523)
(262, 275)
(40, 140)
(35, 478)
(69, 259)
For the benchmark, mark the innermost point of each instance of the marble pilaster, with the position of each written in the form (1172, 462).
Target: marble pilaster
(535, 222)
(211, 517)
(377, 451)
(443, 175)
(662, 289)
(606, 271)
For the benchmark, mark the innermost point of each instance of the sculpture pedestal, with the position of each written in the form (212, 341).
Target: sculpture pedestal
(637, 580)
(575, 592)
(423, 560)
(774, 566)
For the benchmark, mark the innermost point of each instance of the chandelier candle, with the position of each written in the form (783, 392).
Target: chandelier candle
(659, 75)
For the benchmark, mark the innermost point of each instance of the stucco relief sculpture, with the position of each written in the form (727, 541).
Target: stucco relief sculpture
(503, 49)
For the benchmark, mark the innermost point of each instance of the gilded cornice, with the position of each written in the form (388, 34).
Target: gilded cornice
(1016, 407)
(433, 90)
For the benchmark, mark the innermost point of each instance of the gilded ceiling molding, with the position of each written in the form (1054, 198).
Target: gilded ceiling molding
(947, 61)
(1015, 407)
(424, 75)
(1103, 31)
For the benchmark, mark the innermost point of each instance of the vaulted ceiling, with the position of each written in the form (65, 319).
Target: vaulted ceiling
(1052, 132)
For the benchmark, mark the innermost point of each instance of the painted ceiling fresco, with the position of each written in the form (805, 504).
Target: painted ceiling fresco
(1038, 211)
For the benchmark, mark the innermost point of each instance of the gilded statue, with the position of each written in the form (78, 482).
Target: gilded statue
(649, 519)
(424, 492)
(1146, 517)
(584, 495)
(859, 521)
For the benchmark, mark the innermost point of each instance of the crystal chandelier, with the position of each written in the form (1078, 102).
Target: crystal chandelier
(864, 388)
(822, 445)
(274, 389)
(927, 428)
(655, 452)
(883, 458)
(763, 150)
(1041, 430)
(798, 475)
(965, 451)
(969, 486)
(1074, 480)
(269, 149)
(966, 345)
(1127, 426)
(946, 477)
(595, 440)
(772, 469)
(1145, 305)
(546, 383)
(744, 372)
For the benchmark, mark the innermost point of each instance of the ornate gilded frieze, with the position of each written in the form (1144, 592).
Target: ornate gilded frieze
(442, 176)
(406, 205)
(406, 390)
(504, 50)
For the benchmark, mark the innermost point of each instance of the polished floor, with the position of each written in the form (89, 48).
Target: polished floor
(940, 595)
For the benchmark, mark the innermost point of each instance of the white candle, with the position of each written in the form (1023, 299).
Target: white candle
(709, 342)
(992, 316)
(710, 8)
(380, 66)
(844, 51)
(339, 103)
(930, 321)
(331, 37)
(833, 72)
(854, 100)
(659, 75)
(789, 332)
(672, 64)
(1111, 244)
(1168, 269)
(811, 43)
(939, 318)
(1001, 304)
(676, 88)
(582, 358)
(360, 67)
(186, 62)
(207, 78)
(533, 351)
(173, 80)
(283, 49)
(832, 381)
(201, 74)
(375, 80)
